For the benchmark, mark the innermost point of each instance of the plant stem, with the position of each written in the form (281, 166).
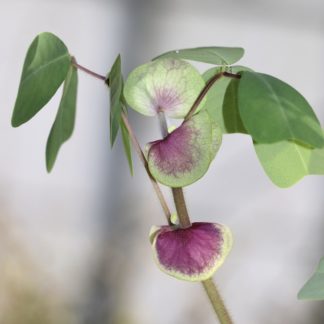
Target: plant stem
(82, 68)
(178, 197)
(182, 212)
(141, 156)
(136, 145)
(184, 220)
(204, 91)
(217, 302)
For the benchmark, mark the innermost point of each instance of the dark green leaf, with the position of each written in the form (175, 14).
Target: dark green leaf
(127, 145)
(314, 287)
(273, 111)
(116, 89)
(212, 55)
(64, 122)
(45, 68)
(222, 100)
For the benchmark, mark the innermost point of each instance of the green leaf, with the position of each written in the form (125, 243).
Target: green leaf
(116, 89)
(286, 162)
(127, 146)
(45, 68)
(273, 111)
(222, 100)
(63, 126)
(184, 156)
(314, 287)
(212, 55)
(166, 85)
(316, 162)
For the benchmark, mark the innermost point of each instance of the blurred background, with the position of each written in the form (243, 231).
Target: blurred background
(74, 244)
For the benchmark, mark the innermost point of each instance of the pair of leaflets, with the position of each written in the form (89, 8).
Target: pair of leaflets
(286, 133)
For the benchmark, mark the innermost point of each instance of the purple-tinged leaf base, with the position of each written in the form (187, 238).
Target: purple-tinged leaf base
(191, 254)
(166, 85)
(184, 156)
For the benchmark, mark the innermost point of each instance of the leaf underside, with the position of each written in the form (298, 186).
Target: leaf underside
(184, 156)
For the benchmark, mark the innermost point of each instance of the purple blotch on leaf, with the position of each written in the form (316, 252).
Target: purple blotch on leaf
(178, 153)
(193, 253)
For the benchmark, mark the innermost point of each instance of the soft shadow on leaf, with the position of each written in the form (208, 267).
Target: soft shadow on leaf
(222, 100)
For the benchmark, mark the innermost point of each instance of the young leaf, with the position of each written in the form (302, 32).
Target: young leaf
(184, 156)
(116, 89)
(206, 248)
(166, 85)
(273, 111)
(45, 68)
(64, 122)
(222, 100)
(127, 145)
(212, 55)
(314, 287)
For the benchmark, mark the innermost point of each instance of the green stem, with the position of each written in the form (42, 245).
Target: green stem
(184, 220)
(217, 302)
(207, 87)
(142, 157)
(182, 212)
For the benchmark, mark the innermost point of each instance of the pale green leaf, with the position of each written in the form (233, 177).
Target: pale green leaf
(314, 287)
(166, 85)
(286, 162)
(212, 55)
(63, 126)
(45, 68)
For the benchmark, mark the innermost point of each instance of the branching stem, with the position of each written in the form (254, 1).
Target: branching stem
(142, 157)
(136, 145)
(207, 87)
(184, 220)
(82, 68)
